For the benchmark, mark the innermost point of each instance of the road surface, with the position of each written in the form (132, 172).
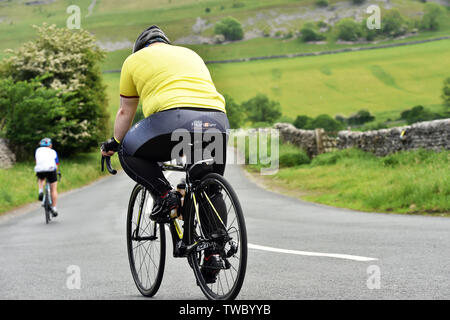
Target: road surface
(297, 250)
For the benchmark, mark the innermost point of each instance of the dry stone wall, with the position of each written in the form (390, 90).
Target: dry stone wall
(432, 135)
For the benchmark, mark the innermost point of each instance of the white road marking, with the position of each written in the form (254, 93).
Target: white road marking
(313, 254)
(296, 252)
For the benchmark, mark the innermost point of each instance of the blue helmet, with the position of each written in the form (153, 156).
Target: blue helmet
(46, 142)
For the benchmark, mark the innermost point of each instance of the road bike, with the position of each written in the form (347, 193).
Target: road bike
(209, 222)
(47, 200)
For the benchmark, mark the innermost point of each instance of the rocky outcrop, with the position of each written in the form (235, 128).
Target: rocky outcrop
(7, 158)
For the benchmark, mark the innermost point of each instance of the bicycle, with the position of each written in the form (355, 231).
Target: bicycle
(200, 227)
(47, 200)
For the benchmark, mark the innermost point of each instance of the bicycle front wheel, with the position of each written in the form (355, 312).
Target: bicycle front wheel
(216, 222)
(146, 243)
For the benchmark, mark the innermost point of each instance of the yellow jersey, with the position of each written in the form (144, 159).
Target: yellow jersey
(165, 77)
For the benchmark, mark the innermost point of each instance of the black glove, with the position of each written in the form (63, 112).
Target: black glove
(110, 145)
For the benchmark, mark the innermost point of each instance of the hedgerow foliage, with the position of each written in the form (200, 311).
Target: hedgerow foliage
(67, 63)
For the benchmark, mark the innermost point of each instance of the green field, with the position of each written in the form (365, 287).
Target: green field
(383, 81)
(376, 80)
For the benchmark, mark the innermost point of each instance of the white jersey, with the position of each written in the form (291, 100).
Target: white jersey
(46, 159)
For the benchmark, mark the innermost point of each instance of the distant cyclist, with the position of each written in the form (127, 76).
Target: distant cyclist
(177, 92)
(47, 163)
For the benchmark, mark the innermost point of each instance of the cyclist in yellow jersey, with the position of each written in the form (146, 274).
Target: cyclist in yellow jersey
(177, 94)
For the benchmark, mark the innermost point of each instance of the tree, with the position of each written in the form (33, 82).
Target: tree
(261, 109)
(431, 19)
(230, 28)
(348, 29)
(235, 114)
(66, 61)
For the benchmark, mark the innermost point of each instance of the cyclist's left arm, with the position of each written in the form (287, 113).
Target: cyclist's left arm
(129, 100)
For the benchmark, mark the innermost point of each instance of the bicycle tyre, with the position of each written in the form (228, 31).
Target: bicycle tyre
(153, 286)
(195, 260)
(47, 206)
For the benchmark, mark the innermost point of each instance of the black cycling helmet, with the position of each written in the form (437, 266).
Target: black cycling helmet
(150, 35)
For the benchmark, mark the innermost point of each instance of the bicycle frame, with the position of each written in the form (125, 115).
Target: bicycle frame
(181, 249)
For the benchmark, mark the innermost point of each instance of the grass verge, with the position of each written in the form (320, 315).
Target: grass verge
(18, 185)
(411, 182)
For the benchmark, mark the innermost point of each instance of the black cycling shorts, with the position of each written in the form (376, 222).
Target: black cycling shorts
(50, 175)
(155, 138)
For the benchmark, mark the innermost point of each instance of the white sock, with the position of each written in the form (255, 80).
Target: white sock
(41, 190)
(54, 209)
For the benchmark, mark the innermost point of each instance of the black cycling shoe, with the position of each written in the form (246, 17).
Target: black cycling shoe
(54, 212)
(212, 264)
(162, 207)
(41, 196)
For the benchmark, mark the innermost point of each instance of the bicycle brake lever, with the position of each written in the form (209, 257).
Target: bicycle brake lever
(109, 167)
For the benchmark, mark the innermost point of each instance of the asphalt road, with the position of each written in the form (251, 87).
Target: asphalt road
(297, 250)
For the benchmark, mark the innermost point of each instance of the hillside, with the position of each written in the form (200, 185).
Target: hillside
(384, 81)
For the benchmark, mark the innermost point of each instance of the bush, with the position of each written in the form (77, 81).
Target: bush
(261, 109)
(360, 117)
(286, 119)
(230, 28)
(358, 1)
(309, 33)
(32, 112)
(368, 34)
(66, 61)
(293, 158)
(418, 114)
(302, 122)
(238, 5)
(431, 20)
(322, 3)
(394, 24)
(235, 113)
(334, 157)
(325, 122)
(348, 29)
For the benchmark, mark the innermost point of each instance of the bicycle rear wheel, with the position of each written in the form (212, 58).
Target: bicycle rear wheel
(146, 243)
(47, 204)
(217, 222)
